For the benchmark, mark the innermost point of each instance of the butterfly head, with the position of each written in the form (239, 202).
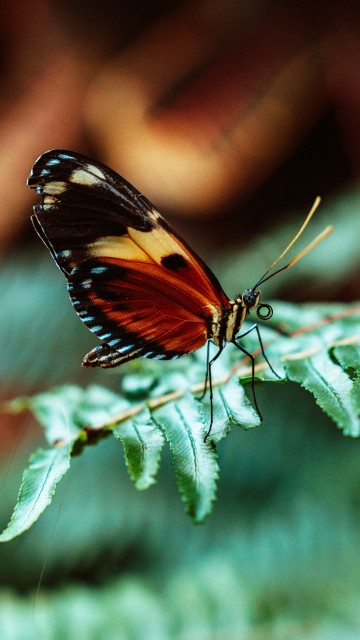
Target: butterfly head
(251, 299)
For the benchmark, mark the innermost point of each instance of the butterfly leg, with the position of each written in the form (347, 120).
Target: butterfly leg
(252, 360)
(208, 379)
(256, 328)
(207, 371)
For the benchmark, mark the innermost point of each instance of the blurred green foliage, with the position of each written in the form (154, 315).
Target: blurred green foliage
(317, 347)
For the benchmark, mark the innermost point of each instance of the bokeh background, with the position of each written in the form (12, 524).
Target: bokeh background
(231, 116)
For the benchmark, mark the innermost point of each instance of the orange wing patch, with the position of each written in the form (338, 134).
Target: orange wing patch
(138, 310)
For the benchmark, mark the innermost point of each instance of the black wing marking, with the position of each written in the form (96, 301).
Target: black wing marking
(83, 200)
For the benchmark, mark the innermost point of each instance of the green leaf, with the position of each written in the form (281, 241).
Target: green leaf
(330, 385)
(45, 470)
(194, 461)
(308, 357)
(348, 355)
(317, 346)
(143, 442)
(98, 406)
(54, 410)
(230, 406)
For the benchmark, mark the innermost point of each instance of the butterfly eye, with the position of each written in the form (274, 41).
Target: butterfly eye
(250, 298)
(264, 312)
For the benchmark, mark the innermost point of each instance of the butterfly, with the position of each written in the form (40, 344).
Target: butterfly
(133, 281)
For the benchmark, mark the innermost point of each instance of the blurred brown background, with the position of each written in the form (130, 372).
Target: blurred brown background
(226, 111)
(231, 116)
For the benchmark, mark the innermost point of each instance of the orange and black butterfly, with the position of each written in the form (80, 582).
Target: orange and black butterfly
(132, 279)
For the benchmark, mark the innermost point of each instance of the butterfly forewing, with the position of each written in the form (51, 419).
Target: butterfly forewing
(90, 211)
(133, 281)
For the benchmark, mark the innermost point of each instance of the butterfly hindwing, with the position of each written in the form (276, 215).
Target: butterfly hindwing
(137, 311)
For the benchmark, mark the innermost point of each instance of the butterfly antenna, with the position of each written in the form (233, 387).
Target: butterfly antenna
(324, 234)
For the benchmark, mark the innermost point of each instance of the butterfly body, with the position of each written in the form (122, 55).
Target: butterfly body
(132, 279)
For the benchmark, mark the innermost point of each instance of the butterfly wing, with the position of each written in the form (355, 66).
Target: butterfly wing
(137, 310)
(133, 281)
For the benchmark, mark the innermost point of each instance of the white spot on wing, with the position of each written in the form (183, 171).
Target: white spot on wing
(81, 176)
(55, 187)
(155, 215)
(49, 201)
(94, 169)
